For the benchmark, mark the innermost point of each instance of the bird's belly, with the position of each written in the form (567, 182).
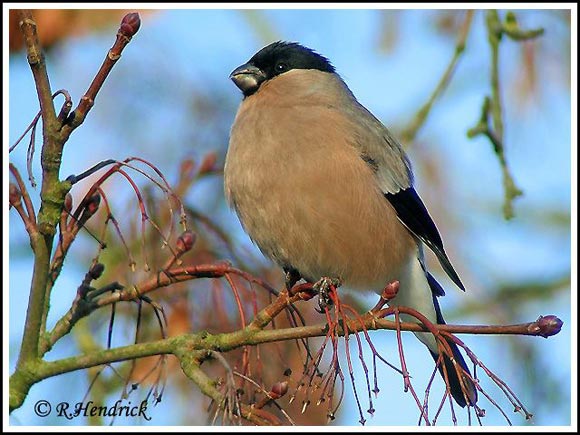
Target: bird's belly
(324, 224)
(307, 198)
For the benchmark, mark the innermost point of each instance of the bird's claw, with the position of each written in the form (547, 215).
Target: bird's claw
(323, 287)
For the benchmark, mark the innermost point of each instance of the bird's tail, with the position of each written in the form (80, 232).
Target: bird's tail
(414, 293)
(468, 394)
(463, 396)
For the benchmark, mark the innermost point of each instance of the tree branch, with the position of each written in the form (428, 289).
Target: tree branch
(41, 241)
(129, 27)
(38, 67)
(82, 307)
(53, 191)
(409, 134)
(22, 381)
(492, 106)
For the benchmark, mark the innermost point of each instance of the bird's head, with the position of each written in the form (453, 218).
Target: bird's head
(274, 60)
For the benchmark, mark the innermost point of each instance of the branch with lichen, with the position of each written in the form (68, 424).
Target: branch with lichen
(42, 228)
(492, 107)
(253, 334)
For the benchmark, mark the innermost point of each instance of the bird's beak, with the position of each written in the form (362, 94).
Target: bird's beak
(248, 78)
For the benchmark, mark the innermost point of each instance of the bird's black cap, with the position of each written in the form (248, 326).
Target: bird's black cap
(275, 59)
(282, 56)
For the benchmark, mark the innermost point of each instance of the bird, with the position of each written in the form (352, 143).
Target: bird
(325, 190)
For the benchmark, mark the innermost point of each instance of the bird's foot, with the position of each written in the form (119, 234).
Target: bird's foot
(323, 287)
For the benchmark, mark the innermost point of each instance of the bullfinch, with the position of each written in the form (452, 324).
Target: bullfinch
(323, 188)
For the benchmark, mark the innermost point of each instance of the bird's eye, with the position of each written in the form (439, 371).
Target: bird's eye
(281, 67)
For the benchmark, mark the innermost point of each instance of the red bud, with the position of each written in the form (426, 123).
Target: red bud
(68, 202)
(96, 271)
(130, 24)
(279, 389)
(93, 203)
(186, 241)
(549, 325)
(187, 169)
(208, 163)
(14, 195)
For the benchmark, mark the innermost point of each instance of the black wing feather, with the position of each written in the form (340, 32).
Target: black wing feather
(413, 214)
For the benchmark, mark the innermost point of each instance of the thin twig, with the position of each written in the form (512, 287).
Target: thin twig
(37, 64)
(409, 134)
(128, 28)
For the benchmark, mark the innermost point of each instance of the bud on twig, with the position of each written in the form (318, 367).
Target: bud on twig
(89, 207)
(208, 164)
(187, 169)
(278, 390)
(96, 271)
(93, 204)
(186, 241)
(130, 24)
(14, 195)
(68, 202)
(389, 293)
(549, 325)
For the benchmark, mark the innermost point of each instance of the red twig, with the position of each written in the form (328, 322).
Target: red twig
(406, 378)
(128, 28)
(29, 218)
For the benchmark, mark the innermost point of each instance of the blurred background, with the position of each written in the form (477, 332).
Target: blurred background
(169, 101)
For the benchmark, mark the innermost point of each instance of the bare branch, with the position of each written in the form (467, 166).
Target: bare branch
(129, 27)
(409, 134)
(38, 67)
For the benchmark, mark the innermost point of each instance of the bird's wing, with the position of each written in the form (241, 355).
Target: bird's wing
(385, 156)
(413, 214)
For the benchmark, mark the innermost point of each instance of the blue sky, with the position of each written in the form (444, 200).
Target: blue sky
(178, 53)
